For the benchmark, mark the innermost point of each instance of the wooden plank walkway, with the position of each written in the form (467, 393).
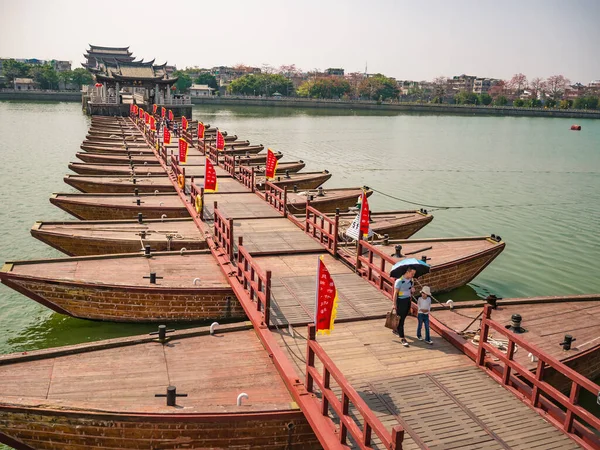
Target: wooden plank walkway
(435, 392)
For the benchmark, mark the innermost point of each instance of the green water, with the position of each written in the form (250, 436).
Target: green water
(551, 173)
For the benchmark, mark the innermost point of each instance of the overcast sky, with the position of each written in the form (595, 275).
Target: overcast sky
(408, 40)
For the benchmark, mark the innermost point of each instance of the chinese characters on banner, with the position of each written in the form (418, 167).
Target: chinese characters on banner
(183, 150)
(170, 115)
(220, 141)
(201, 130)
(154, 107)
(141, 113)
(146, 118)
(152, 123)
(135, 109)
(210, 177)
(364, 215)
(271, 165)
(184, 123)
(163, 111)
(166, 136)
(326, 301)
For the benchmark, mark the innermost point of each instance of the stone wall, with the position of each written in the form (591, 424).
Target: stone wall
(55, 96)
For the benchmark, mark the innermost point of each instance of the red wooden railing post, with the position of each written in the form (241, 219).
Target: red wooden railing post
(574, 395)
(358, 251)
(268, 298)
(510, 351)
(202, 203)
(240, 272)
(252, 183)
(306, 217)
(284, 205)
(336, 230)
(397, 437)
(487, 312)
(229, 237)
(345, 409)
(539, 375)
(310, 356)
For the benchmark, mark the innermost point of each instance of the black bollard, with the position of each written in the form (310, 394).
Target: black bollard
(138, 202)
(515, 324)
(147, 253)
(171, 395)
(566, 344)
(320, 190)
(287, 173)
(492, 300)
(398, 249)
(136, 192)
(295, 188)
(140, 217)
(386, 239)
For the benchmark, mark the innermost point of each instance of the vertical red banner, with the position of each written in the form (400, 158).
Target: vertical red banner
(201, 130)
(146, 117)
(154, 108)
(141, 113)
(184, 123)
(135, 109)
(166, 136)
(210, 177)
(170, 115)
(271, 165)
(183, 150)
(163, 111)
(152, 123)
(364, 215)
(326, 300)
(220, 141)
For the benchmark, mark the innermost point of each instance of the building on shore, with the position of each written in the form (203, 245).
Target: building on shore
(335, 72)
(200, 90)
(25, 84)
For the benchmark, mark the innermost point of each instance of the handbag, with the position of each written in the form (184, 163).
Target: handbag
(392, 320)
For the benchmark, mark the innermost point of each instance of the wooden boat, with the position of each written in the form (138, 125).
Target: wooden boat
(96, 184)
(118, 150)
(102, 237)
(115, 169)
(326, 201)
(303, 180)
(545, 320)
(118, 143)
(99, 158)
(454, 261)
(254, 160)
(101, 395)
(282, 168)
(248, 150)
(120, 206)
(120, 288)
(237, 143)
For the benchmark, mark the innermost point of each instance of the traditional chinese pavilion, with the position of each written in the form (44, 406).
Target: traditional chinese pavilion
(121, 80)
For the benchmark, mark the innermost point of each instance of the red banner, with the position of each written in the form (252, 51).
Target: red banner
(154, 108)
(135, 109)
(166, 136)
(146, 117)
(220, 141)
(170, 115)
(130, 108)
(163, 111)
(364, 215)
(210, 177)
(141, 113)
(271, 165)
(152, 123)
(326, 301)
(183, 150)
(184, 123)
(201, 130)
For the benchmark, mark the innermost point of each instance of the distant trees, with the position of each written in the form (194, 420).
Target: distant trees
(81, 77)
(518, 83)
(588, 102)
(466, 98)
(378, 87)
(500, 100)
(325, 87)
(537, 87)
(12, 69)
(208, 79)
(485, 99)
(556, 85)
(261, 84)
(184, 81)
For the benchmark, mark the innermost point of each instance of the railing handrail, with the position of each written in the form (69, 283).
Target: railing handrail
(229, 164)
(213, 155)
(175, 166)
(384, 282)
(223, 230)
(341, 407)
(327, 238)
(247, 177)
(257, 283)
(275, 196)
(540, 388)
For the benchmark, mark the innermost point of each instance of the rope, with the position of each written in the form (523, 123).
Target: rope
(441, 207)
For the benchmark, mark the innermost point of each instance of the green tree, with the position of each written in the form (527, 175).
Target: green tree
(379, 87)
(466, 98)
(264, 83)
(207, 78)
(533, 103)
(65, 78)
(45, 76)
(12, 69)
(501, 100)
(326, 87)
(81, 77)
(565, 104)
(518, 102)
(589, 102)
(184, 81)
(485, 99)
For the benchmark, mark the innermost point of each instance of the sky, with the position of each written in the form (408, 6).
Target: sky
(407, 40)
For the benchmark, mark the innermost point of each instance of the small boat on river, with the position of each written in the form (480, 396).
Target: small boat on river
(102, 237)
(302, 180)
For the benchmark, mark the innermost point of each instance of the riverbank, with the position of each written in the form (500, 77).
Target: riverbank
(423, 108)
(56, 96)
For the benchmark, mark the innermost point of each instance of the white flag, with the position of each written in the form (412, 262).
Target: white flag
(354, 229)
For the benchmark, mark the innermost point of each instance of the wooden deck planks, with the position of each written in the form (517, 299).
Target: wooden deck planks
(238, 206)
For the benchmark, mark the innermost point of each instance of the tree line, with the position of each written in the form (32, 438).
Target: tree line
(44, 74)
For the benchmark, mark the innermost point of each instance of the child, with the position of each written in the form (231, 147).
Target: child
(424, 306)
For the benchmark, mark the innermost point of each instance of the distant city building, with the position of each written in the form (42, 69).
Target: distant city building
(201, 90)
(25, 84)
(226, 75)
(483, 85)
(335, 72)
(61, 66)
(575, 90)
(461, 83)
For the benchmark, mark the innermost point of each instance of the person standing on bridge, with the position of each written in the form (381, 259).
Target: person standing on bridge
(403, 290)
(424, 306)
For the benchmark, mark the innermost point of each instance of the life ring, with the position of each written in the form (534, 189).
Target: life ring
(181, 181)
(198, 203)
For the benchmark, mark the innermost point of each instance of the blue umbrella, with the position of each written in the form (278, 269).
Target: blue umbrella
(401, 267)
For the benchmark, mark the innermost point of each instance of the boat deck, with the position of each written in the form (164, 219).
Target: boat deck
(435, 392)
(238, 206)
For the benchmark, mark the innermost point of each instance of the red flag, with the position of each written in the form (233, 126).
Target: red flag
(201, 130)
(364, 215)
(184, 123)
(183, 150)
(163, 111)
(166, 136)
(141, 113)
(326, 301)
(130, 108)
(271, 165)
(210, 177)
(135, 109)
(154, 108)
(170, 115)
(146, 117)
(220, 141)
(152, 123)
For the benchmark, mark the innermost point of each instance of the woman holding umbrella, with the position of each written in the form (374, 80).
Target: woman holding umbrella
(405, 271)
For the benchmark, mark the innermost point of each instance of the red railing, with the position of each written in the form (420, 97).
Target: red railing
(275, 196)
(322, 228)
(246, 177)
(213, 155)
(541, 395)
(257, 284)
(229, 164)
(223, 232)
(371, 424)
(375, 273)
